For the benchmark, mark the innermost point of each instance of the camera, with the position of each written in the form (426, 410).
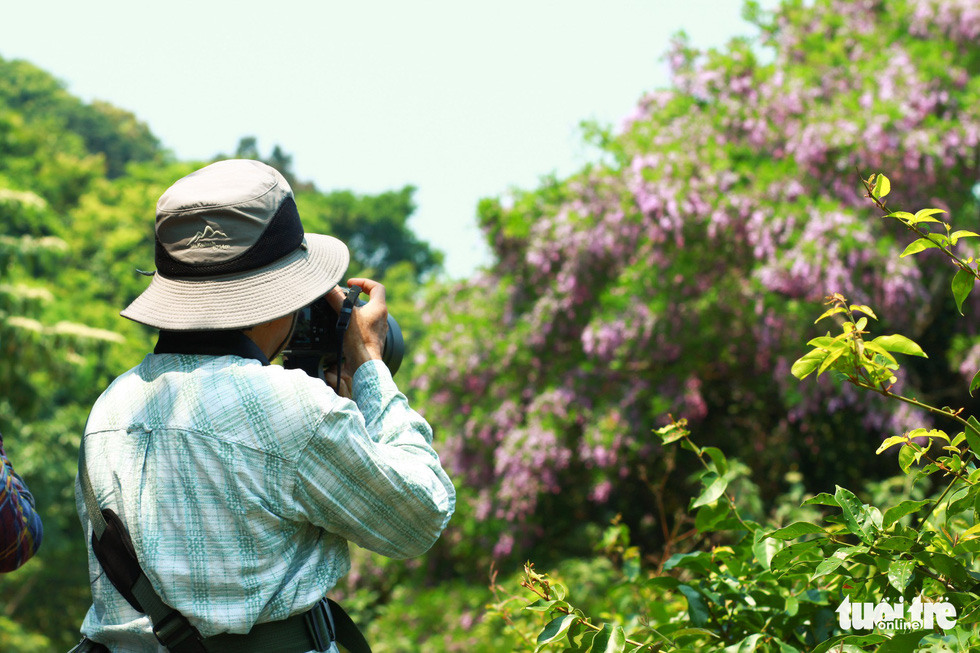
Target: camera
(317, 341)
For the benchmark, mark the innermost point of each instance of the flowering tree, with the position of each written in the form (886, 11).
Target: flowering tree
(674, 275)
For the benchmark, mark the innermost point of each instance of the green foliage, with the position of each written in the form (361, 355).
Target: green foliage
(677, 274)
(792, 584)
(78, 187)
(112, 133)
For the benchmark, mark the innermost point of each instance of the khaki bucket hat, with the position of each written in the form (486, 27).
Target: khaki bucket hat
(231, 252)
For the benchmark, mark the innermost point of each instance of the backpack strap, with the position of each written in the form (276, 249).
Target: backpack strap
(115, 553)
(314, 630)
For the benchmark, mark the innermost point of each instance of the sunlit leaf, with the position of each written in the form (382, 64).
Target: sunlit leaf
(831, 311)
(917, 246)
(962, 233)
(963, 282)
(882, 186)
(923, 215)
(900, 344)
(861, 308)
(808, 364)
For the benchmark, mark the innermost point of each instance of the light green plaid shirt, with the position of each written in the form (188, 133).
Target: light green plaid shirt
(241, 485)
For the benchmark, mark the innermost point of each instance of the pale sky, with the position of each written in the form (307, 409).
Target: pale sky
(463, 99)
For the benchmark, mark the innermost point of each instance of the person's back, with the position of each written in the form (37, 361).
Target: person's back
(240, 483)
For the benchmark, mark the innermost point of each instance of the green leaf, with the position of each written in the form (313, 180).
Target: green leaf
(829, 360)
(907, 507)
(962, 233)
(906, 456)
(687, 632)
(962, 285)
(891, 442)
(783, 646)
(973, 434)
(540, 605)
(690, 446)
(903, 642)
(748, 645)
(796, 530)
(822, 499)
(556, 629)
(718, 458)
(975, 383)
(708, 516)
(861, 308)
(823, 342)
(901, 344)
(670, 433)
(806, 365)
(611, 639)
(663, 582)
(714, 487)
(851, 509)
(783, 558)
(895, 543)
(945, 565)
(836, 560)
(923, 215)
(764, 549)
(900, 573)
(697, 609)
(882, 186)
(830, 311)
(849, 643)
(904, 216)
(917, 246)
(878, 349)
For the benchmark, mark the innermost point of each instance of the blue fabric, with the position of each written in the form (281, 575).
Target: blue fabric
(20, 524)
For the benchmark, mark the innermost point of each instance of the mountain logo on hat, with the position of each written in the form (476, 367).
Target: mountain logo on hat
(210, 237)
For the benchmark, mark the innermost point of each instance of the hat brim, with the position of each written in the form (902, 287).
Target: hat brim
(243, 300)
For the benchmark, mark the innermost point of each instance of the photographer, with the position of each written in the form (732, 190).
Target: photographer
(239, 483)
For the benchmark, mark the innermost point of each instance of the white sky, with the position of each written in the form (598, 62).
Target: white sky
(463, 99)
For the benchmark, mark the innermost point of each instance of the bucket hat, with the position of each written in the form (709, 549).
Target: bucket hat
(231, 252)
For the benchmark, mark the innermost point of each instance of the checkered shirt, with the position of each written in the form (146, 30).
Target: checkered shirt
(241, 485)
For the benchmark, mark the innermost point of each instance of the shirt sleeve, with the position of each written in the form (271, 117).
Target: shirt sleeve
(20, 525)
(370, 475)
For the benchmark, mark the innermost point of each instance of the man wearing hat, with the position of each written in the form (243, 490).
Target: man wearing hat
(238, 483)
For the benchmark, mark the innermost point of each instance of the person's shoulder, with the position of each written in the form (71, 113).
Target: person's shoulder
(291, 387)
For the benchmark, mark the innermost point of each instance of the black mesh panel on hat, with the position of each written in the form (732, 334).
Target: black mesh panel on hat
(283, 235)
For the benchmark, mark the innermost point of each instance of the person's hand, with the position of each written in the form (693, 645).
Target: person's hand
(346, 384)
(365, 339)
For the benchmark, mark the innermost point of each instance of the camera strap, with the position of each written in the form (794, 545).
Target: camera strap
(209, 343)
(343, 321)
(314, 629)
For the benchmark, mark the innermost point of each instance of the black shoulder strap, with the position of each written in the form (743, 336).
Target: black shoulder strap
(110, 538)
(209, 343)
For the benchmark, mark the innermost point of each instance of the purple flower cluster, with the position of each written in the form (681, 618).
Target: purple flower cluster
(684, 278)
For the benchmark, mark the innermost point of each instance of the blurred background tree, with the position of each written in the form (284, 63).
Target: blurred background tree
(676, 274)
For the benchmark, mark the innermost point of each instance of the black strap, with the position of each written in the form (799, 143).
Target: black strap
(209, 343)
(348, 634)
(343, 321)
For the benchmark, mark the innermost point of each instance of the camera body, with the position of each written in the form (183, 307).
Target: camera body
(317, 342)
